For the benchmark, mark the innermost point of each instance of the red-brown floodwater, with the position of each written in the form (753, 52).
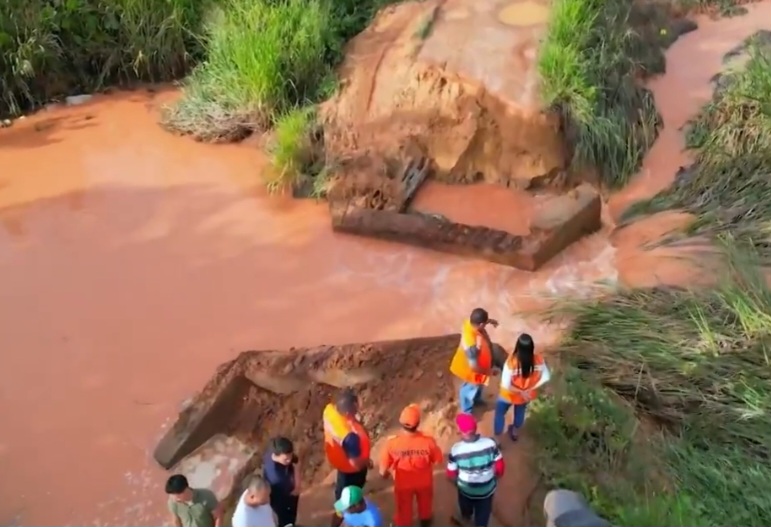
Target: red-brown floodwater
(134, 262)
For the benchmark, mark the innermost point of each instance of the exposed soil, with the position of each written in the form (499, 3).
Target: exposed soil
(262, 394)
(433, 77)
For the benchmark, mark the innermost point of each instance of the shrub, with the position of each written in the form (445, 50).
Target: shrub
(263, 59)
(252, 77)
(693, 364)
(292, 149)
(590, 63)
(53, 48)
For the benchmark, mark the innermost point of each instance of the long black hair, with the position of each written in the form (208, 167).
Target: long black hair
(524, 350)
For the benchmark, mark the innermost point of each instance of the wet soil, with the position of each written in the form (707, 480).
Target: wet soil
(429, 76)
(262, 394)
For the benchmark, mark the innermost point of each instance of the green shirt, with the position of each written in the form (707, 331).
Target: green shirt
(197, 513)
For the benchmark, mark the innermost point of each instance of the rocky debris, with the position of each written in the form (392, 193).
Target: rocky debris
(75, 100)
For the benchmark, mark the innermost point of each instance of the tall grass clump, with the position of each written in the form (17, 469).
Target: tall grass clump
(666, 404)
(263, 58)
(590, 64)
(728, 188)
(296, 154)
(51, 49)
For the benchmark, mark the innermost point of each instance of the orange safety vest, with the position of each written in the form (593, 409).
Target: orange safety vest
(336, 427)
(460, 367)
(512, 393)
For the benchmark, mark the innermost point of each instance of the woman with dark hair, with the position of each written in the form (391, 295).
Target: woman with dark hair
(524, 372)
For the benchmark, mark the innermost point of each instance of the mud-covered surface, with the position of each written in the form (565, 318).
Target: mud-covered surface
(262, 394)
(455, 81)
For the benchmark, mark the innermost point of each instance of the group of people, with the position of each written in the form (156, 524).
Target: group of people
(474, 464)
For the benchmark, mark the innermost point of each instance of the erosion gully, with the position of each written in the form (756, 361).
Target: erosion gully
(134, 262)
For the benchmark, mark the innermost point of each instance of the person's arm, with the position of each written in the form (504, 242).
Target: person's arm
(377, 517)
(352, 448)
(545, 375)
(499, 465)
(298, 476)
(174, 517)
(452, 468)
(506, 375)
(472, 354)
(436, 453)
(215, 507)
(386, 462)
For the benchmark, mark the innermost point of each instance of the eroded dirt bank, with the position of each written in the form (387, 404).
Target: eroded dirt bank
(133, 263)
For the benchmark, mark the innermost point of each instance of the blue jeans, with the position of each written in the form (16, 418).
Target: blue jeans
(499, 421)
(476, 511)
(468, 396)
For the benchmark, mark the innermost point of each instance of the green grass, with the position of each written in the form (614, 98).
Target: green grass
(729, 187)
(296, 153)
(663, 416)
(252, 77)
(590, 63)
(52, 49)
(263, 58)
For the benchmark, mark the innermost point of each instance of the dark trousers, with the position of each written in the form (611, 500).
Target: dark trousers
(285, 507)
(349, 479)
(477, 509)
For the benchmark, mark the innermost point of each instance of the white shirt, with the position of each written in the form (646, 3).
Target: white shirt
(246, 516)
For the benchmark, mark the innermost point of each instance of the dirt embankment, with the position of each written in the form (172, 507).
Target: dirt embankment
(262, 394)
(455, 82)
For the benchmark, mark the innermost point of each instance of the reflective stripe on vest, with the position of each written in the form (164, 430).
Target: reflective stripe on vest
(460, 366)
(512, 393)
(336, 427)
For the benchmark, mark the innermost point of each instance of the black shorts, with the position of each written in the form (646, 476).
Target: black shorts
(348, 479)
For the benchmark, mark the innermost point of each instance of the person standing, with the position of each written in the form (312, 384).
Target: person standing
(253, 508)
(475, 464)
(410, 458)
(346, 444)
(524, 372)
(281, 469)
(473, 360)
(191, 507)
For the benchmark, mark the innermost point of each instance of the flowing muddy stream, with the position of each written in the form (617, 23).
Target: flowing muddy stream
(134, 262)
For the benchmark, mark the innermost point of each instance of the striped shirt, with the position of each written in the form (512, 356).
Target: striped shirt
(475, 463)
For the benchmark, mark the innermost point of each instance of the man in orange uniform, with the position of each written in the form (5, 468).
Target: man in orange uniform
(410, 457)
(346, 444)
(473, 360)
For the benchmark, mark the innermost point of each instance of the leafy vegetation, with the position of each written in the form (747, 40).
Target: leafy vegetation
(693, 364)
(52, 48)
(296, 154)
(728, 188)
(590, 63)
(251, 77)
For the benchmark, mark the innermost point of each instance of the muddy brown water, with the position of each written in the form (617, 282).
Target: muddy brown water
(134, 262)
